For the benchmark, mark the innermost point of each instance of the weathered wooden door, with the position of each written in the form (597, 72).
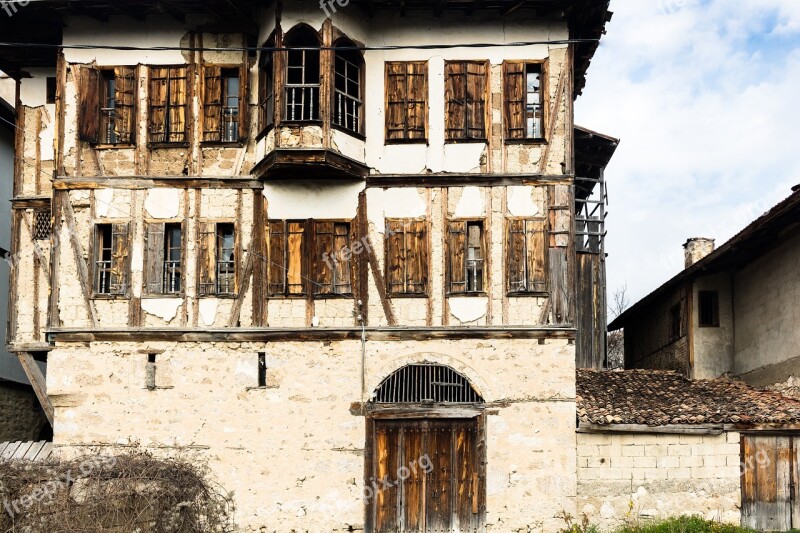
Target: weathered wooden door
(426, 477)
(770, 470)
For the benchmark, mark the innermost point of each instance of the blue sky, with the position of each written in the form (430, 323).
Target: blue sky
(704, 96)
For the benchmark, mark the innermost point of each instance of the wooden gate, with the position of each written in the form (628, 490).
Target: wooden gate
(426, 477)
(770, 473)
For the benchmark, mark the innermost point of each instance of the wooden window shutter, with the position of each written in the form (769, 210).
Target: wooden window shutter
(514, 99)
(324, 257)
(536, 247)
(276, 252)
(477, 75)
(417, 257)
(177, 104)
(456, 250)
(455, 94)
(89, 108)
(119, 258)
(406, 101)
(207, 260)
(295, 253)
(244, 108)
(157, 95)
(515, 252)
(342, 269)
(125, 104)
(154, 257)
(212, 103)
(395, 256)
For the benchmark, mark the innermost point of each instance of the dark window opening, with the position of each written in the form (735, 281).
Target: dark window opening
(108, 108)
(709, 309)
(348, 95)
(103, 255)
(110, 259)
(675, 322)
(51, 90)
(302, 76)
(467, 256)
(262, 370)
(150, 372)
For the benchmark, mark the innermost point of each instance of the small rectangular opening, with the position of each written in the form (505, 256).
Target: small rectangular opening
(262, 370)
(150, 372)
(51, 90)
(675, 322)
(709, 309)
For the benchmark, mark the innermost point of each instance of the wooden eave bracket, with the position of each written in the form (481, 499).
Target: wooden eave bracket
(325, 163)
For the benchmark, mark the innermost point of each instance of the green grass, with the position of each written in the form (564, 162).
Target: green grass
(674, 525)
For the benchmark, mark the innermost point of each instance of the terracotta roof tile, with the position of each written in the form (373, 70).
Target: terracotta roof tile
(657, 398)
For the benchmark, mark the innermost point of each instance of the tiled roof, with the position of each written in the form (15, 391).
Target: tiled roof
(658, 398)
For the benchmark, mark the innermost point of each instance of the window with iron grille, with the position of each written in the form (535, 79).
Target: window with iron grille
(163, 258)
(426, 383)
(465, 97)
(107, 97)
(266, 91)
(526, 256)
(222, 97)
(168, 110)
(302, 76)
(217, 259)
(465, 244)
(41, 225)
(110, 266)
(524, 100)
(348, 96)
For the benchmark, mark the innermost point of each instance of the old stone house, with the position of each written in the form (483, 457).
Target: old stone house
(350, 253)
(732, 310)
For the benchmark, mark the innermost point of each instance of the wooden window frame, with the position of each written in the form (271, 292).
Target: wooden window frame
(93, 113)
(545, 271)
(425, 281)
(406, 101)
(317, 263)
(714, 311)
(469, 99)
(146, 291)
(283, 265)
(169, 107)
(122, 258)
(675, 317)
(304, 85)
(207, 107)
(450, 250)
(208, 261)
(360, 100)
(544, 89)
(266, 91)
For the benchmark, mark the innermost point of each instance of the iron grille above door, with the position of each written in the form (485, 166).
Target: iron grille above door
(426, 383)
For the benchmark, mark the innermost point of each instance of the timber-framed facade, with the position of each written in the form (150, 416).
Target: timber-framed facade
(260, 214)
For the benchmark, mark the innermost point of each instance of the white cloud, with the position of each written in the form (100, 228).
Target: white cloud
(704, 95)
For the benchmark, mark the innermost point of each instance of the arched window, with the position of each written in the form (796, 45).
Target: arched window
(348, 95)
(426, 383)
(302, 75)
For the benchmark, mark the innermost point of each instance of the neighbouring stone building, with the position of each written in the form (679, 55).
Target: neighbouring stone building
(732, 310)
(350, 254)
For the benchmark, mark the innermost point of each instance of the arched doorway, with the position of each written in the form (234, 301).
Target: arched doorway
(425, 453)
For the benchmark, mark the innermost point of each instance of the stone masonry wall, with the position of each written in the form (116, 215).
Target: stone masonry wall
(21, 418)
(293, 451)
(631, 477)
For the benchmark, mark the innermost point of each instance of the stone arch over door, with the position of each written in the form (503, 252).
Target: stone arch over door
(425, 453)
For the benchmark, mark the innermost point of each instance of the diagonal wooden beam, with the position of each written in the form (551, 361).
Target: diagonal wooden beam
(38, 383)
(80, 263)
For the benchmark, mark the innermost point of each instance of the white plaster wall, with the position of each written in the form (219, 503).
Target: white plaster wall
(304, 199)
(713, 346)
(766, 293)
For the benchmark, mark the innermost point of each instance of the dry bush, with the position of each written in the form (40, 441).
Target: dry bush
(130, 493)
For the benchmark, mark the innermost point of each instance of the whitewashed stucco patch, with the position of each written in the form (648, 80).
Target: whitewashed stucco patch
(312, 199)
(520, 202)
(468, 309)
(163, 203)
(208, 311)
(164, 308)
(103, 199)
(471, 203)
(393, 203)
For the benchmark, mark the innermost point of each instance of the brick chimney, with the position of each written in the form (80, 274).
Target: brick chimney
(697, 248)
